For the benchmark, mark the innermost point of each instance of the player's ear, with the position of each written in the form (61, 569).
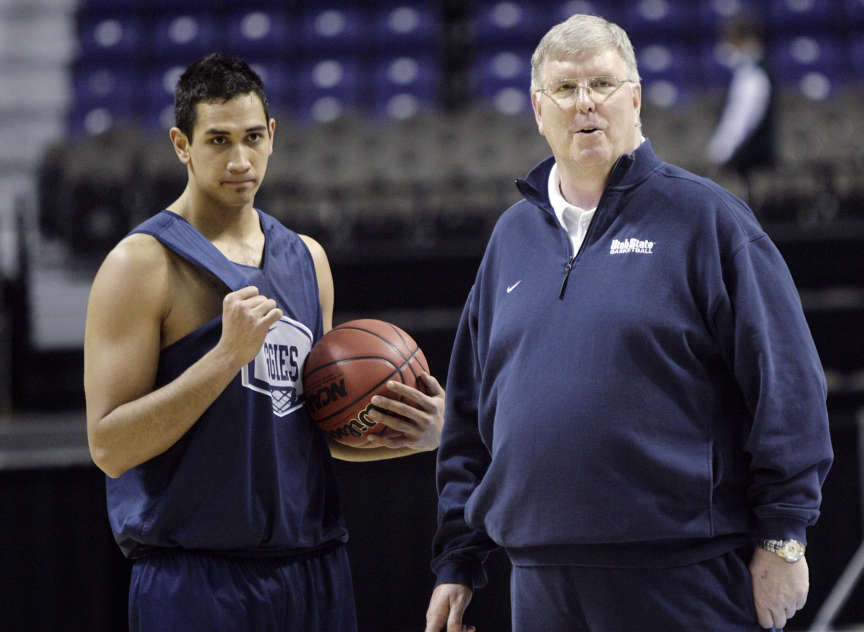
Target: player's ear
(272, 128)
(181, 144)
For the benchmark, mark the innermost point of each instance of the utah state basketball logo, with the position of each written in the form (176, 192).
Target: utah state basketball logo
(276, 370)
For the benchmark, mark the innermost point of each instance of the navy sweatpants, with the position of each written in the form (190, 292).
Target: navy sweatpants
(200, 592)
(711, 596)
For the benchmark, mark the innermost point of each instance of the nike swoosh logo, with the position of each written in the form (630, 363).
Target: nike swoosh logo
(510, 288)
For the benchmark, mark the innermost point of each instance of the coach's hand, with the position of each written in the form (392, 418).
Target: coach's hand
(779, 588)
(246, 318)
(446, 607)
(413, 423)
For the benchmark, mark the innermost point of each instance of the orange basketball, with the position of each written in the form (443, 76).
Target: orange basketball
(350, 364)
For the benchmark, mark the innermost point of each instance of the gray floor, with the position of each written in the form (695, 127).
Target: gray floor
(43, 440)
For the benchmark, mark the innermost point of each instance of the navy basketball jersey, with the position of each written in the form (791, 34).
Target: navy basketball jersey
(253, 475)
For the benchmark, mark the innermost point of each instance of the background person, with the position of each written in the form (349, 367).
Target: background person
(744, 139)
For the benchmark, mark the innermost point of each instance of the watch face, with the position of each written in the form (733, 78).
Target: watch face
(792, 550)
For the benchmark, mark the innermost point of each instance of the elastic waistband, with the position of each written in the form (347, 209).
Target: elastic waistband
(291, 555)
(655, 554)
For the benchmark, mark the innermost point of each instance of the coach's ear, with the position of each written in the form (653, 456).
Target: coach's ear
(181, 144)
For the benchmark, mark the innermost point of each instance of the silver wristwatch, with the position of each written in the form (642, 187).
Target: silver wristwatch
(789, 550)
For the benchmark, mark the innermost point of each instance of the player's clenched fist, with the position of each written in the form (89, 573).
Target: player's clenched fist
(246, 318)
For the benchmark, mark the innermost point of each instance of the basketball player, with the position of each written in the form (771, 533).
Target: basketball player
(220, 487)
(634, 398)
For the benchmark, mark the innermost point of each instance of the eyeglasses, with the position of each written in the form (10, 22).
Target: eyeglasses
(566, 92)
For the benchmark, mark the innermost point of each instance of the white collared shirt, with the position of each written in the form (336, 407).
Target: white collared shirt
(575, 220)
(746, 105)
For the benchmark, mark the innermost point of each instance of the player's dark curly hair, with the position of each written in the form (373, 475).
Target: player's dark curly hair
(215, 77)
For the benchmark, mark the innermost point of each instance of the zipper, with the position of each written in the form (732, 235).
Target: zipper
(589, 232)
(572, 261)
(567, 269)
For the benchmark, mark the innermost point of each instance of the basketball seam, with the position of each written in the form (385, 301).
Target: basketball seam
(357, 399)
(398, 333)
(366, 357)
(379, 336)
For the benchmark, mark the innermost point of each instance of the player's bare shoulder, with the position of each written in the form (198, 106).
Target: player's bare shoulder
(129, 293)
(315, 249)
(137, 266)
(319, 258)
(324, 276)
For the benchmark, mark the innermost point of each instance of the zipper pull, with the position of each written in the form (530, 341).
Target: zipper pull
(567, 269)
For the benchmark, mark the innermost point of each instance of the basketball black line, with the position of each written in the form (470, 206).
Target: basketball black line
(369, 357)
(399, 333)
(379, 336)
(413, 355)
(357, 399)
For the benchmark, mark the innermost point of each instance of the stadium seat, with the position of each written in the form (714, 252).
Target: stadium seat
(793, 56)
(813, 68)
(856, 50)
(712, 15)
(404, 85)
(109, 37)
(855, 12)
(503, 78)
(713, 68)
(185, 37)
(670, 72)
(793, 16)
(158, 109)
(95, 8)
(328, 88)
(502, 67)
(334, 29)
(556, 11)
(103, 84)
(92, 119)
(182, 6)
(257, 32)
(648, 18)
(506, 23)
(406, 25)
(279, 82)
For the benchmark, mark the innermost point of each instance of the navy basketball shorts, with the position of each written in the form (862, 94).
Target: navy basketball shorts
(715, 595)
(201, 592)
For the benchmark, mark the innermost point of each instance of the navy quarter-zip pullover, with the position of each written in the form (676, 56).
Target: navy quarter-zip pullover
(654, 399)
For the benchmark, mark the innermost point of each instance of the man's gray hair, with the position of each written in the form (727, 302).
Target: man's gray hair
(581, 34)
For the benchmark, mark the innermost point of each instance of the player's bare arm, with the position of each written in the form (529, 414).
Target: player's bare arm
(325, 280)
(128, 422)
(412, 428)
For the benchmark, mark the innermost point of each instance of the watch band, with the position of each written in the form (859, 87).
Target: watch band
(789, 550)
